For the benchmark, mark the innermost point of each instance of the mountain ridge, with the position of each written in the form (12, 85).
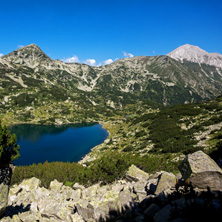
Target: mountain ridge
(28, 77)
(150, 136)
(196, 54)
(181, 53)
(30, 55)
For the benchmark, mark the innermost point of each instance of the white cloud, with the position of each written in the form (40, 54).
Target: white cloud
(91, 62)
(127, 54)
(1, 54)
(20, 46)
(108, 61)
(71, 59)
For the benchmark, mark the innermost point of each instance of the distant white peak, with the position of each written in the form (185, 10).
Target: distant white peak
(215, 53)
(192, 47)
(196, 54)
(187, 52)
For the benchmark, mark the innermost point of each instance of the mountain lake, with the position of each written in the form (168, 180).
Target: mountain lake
(66, 143)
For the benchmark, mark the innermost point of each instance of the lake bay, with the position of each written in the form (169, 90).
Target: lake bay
(40, 143)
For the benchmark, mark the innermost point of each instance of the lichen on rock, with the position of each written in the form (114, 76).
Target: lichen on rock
(201, 171)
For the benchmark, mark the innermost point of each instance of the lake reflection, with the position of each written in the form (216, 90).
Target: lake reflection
(39, 143)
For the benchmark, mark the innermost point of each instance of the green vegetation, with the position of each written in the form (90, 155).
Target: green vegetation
(9, 150)
(166, 133)
(106, 169)
(174, 129)
(152, 139)
(40, 94)
(127, 97)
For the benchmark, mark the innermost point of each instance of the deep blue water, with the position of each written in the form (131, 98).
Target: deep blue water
(40, 143)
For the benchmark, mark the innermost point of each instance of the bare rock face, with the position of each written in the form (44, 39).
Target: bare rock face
(5, 178)
(166, 181)
(195, 54)
(30, 184)
(55, 185)
(201, 171)
(86, 211)
(136, 174)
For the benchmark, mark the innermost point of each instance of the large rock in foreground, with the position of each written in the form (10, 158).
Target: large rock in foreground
(166, 181)
(201, 171)
(136, 174)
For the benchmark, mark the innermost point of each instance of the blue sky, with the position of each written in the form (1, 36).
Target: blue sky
(100, 31)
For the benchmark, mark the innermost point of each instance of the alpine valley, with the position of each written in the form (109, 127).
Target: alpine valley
(157, 110)
(36, 89)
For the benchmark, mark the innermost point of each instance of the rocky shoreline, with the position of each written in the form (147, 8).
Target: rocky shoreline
(140, 196)
(90, 155)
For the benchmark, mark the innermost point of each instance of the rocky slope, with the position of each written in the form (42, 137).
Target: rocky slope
(156, 197)
(33, 87)
(196, 55)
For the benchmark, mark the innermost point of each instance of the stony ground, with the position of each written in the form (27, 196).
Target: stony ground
(156, 197)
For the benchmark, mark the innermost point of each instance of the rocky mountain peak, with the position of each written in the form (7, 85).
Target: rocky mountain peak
(196, 54)
(30, 55)
(32, 45)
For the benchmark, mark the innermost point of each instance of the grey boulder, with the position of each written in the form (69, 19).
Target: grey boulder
(201, 171)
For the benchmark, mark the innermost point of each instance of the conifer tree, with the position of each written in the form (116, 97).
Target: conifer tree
(9, 150)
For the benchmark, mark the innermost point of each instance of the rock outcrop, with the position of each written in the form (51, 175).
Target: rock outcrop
(135, 174)
(200, 170)
(166, 181)
(156, 197)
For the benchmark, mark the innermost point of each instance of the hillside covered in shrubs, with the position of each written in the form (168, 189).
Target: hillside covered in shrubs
(152, 139)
